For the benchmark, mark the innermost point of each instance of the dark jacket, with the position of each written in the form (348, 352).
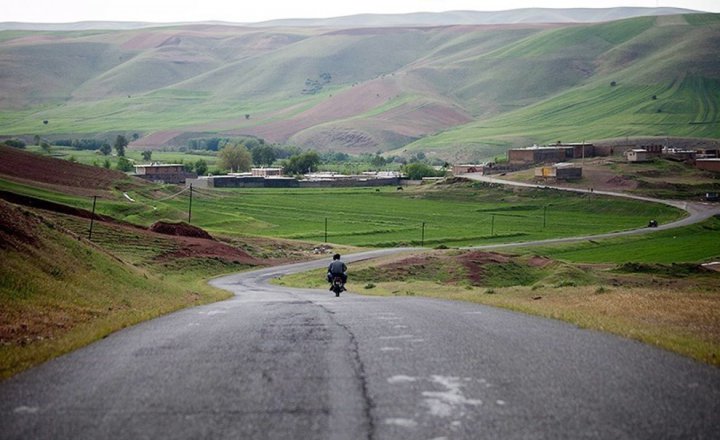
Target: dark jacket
(337, 267)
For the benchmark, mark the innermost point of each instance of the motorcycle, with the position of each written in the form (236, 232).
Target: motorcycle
(337, 285)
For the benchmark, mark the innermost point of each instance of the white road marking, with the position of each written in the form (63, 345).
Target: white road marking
(450, 402)
(390, 349)
(397, 337)
(26, 410)
(401, 378)
(405, 423)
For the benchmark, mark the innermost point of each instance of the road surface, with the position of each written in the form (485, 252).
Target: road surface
(279, 363)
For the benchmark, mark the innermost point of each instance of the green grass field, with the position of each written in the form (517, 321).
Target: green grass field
(91, 157)
(453, 215)
(693, 244)
(463, 215)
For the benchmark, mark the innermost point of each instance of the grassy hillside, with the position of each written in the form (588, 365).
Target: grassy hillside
(59, 292)
(459, 91)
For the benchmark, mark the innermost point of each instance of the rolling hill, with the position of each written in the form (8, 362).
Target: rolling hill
(463, 92)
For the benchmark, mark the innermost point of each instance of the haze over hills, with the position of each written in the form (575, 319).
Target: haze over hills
(449, 18)
(460, 91)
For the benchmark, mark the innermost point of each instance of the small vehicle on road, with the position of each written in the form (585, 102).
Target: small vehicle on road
(652, 224)
(337, 285)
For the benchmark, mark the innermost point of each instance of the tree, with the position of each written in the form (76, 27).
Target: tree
(105, 149)
(236, 158)
(378, 161)
(147, 155)
(107, 163)
(416, 171)
(45, 147)
(124, 164)
(120, 143)
(250, 143)
(201, 167)
(302, 163)
(36, 139)
(264, 155)
(15, 143)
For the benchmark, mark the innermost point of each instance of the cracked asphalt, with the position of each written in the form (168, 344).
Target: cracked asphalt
(278, 363)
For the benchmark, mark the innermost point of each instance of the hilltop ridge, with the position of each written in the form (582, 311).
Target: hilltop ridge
(447, 18)
(464, 92)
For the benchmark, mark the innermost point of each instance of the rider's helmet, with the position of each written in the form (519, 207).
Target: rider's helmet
(336, 257)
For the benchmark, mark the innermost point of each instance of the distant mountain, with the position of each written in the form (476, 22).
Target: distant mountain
(514, 16)
(449, 18)
(460, 92)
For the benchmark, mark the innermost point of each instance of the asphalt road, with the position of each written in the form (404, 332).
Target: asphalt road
(279, 363)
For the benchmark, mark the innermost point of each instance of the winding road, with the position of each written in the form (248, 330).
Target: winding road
(279, 363)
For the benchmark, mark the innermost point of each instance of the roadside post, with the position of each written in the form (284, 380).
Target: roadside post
(92, 218)
(190, 207)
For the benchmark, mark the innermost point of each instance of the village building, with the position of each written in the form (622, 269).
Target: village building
(639, 155)
(708, 164)
(163, 173)
(265, 172)
(550, 154)
(313, 180)
(559, 171)
(644, 154)
(468, 169)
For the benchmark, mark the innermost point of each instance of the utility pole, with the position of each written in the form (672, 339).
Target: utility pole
(544, 216)
(325, 229)
(422, 237)
(492, 225)
(92, 218)
(190, 207)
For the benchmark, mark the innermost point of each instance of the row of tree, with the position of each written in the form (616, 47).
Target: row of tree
(238, 158)
(239, 155)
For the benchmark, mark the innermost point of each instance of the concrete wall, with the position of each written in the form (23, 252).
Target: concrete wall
(177, 178)
(261, 182)
(390, 181)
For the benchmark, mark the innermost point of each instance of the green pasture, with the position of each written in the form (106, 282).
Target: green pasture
(92, 157)
(691, 244)
(452, 216)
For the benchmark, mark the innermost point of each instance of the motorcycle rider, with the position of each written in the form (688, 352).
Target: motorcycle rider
(337, 268)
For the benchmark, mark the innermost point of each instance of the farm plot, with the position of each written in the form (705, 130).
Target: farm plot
(441, 215)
